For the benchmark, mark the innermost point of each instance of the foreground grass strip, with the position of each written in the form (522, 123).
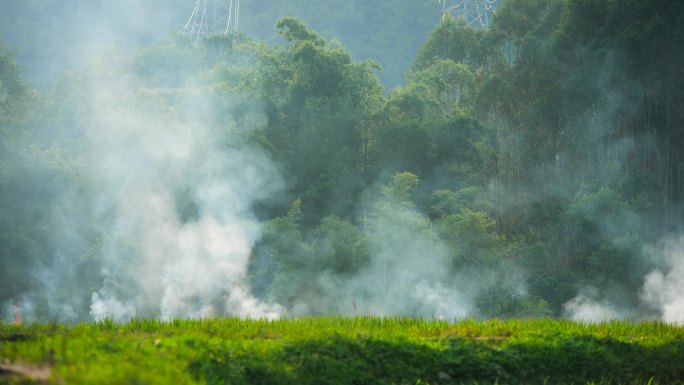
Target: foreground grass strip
(362, 350)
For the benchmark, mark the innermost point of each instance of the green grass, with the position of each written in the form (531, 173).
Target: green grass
(364, 350)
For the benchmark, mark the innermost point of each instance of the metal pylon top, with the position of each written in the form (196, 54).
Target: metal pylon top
(476, 13)
(211, 17)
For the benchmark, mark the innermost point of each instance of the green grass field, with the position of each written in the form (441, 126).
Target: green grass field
(364, 350)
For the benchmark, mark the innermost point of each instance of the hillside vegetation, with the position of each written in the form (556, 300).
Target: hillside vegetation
(530, 170)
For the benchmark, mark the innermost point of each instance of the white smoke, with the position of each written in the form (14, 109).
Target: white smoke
(661, 295)
(584, 308)
(174, 198)
(410, 272)
(663, 288)
(408, 275)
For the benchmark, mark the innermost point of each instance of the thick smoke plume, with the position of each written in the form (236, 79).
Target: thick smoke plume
(145, 190)
(171, 200)
(157, 259)
(661, 294)
(664, 288)
(408, 274)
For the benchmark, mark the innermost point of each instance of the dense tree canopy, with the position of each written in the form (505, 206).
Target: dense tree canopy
(520, 167)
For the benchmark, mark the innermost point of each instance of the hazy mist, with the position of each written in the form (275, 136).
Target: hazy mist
(136, 184)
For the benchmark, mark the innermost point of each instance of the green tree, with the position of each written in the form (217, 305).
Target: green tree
(340, 246)
(13, 93)
(452, 40)
(448, 84)
(321, 112)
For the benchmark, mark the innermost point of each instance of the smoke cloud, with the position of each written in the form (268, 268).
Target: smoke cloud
(156, 216)
(409, 272)
(661, 295)
(586, 308)
(663, 288)
(149, 167)
(168, 200)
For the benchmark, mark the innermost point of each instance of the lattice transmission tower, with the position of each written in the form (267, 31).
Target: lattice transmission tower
(211, 17)
(476, 13)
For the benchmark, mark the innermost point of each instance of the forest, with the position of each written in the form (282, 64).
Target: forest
(347, 158)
